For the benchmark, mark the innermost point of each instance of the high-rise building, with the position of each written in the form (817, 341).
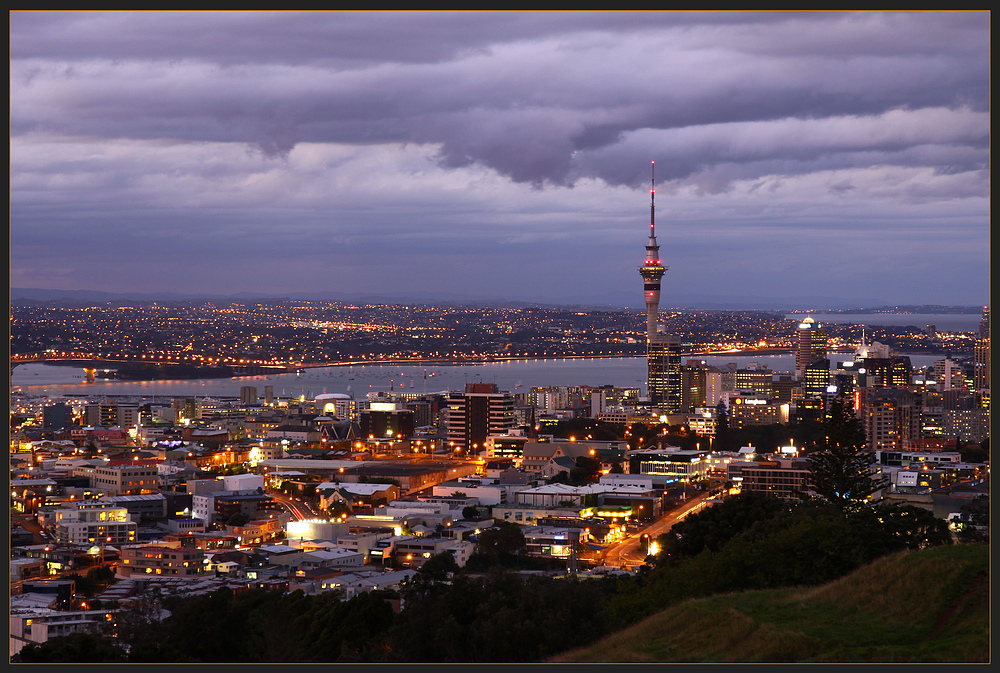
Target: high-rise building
(816, 377)
(248, 395)
(104, 414)
(701, 386)
(663, 352)
(482, 410)
(981, 354)
(811, 345)
(693, 388)
(663, 366)
(890, 416)
(755, 377)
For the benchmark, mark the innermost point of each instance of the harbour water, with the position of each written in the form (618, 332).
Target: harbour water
(38, 379)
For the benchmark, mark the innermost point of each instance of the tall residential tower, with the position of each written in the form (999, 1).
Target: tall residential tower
(663, 352)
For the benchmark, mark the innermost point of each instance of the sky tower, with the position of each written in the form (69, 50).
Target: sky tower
(663, 351)
(652, 270)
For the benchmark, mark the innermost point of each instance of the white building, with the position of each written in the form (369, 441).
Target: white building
(242, 482)
(98, 523)
(31, 625)
(340, 406)
(314, 529)
(486, 491)
(643, 481)
(332, 557)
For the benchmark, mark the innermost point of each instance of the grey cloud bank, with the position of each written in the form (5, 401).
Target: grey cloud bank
(502, 154)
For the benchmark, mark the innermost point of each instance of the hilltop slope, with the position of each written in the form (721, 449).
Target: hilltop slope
(920, 606)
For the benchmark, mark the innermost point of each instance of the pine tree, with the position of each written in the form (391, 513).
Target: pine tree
(721, 427)
(842, 470)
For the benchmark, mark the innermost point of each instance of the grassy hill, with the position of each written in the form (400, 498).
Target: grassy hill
(919, 606)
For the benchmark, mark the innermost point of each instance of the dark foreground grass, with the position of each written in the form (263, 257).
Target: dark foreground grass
(922, 606)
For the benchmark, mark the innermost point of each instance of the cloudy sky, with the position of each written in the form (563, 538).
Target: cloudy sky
(503, 155)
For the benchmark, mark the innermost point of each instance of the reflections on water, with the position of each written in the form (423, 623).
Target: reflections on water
(359, 380)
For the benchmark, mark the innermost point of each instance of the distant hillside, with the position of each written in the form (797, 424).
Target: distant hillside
(812, 303)
(921, 606)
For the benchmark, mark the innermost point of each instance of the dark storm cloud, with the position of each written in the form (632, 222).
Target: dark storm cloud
(320, 37)
(528, 95)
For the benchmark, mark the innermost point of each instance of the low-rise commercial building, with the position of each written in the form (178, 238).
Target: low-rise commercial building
(671, 464)
(154, 560)
(782, 478)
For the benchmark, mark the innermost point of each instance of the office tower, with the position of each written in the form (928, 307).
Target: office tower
(475, 414)
(755, 377)
(663, 366)
(701, 386)
(816, 377)
(269, 395)
(693, 386)
(550, 398)
(811, 344)
(387, 420)
(663, 352)
(981, 354)
(248, 395)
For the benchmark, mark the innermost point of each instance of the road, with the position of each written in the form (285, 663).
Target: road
(626, 552)
(28, 523)
(297, 508)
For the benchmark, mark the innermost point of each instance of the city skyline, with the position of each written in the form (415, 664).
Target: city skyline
(482, 156)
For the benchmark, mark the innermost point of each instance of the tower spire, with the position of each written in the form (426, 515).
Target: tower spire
(652, 200)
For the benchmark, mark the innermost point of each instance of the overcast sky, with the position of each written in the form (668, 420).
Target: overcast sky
(503, 155)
